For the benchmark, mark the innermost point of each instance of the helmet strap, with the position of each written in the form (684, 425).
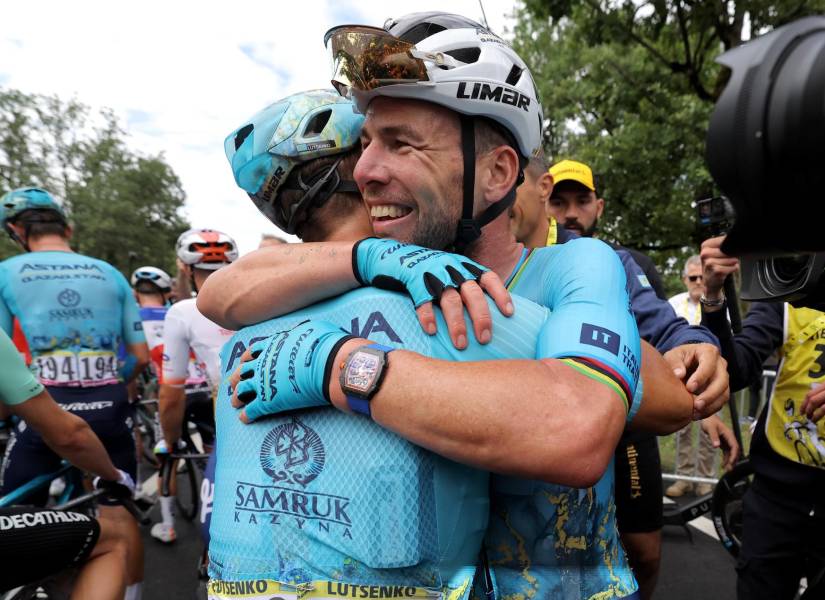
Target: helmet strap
(469, 228)
(192, 279)
(16, 238)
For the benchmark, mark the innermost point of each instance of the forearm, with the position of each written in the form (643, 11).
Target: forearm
(171, 407)
(762, 333)
(275, 281)
(667, 406)
(86, 451)
(534, 419)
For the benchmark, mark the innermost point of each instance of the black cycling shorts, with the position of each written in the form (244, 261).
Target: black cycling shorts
(638, 475)
(36, 543)
(107, 411)
(201, 412)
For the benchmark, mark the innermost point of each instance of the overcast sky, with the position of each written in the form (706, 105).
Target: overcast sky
(182, 75)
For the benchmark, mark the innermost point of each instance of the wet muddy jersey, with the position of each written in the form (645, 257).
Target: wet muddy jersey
(553, 541)
(74, 312)
(321, 495)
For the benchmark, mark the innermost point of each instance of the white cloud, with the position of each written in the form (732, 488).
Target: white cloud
(182, 74)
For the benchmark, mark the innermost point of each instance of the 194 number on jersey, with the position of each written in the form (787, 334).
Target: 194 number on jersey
(85, 368)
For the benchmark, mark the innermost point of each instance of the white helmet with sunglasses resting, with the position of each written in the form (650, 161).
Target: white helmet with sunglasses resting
(451, 61)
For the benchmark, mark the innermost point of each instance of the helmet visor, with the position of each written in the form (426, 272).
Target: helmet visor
(365, 58)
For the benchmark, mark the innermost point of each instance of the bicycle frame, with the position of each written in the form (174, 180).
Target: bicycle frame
(40, 482)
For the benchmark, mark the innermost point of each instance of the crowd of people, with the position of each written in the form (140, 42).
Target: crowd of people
(450, 389)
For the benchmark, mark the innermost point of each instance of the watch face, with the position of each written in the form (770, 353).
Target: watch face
(361, 371)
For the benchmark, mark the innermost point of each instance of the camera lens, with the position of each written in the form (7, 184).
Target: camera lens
(784, 275)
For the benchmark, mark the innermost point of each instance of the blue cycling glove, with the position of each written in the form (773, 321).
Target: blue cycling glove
(291, 369)
(422, 273)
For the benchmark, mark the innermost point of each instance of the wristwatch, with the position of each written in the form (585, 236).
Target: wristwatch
(361, 376)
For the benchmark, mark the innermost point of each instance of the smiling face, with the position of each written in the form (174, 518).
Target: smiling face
(410, 171)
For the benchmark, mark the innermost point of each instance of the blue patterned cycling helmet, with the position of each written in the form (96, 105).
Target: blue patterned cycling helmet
(28, 198)
(292, 131)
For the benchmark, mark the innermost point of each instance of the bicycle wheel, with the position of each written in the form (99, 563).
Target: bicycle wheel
(188, 496)
(727, 509)
(146, 428)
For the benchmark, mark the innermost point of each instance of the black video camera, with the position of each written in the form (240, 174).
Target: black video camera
(766, 151)
(714, 217)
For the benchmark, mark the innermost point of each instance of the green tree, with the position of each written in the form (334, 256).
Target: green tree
(628, 86)
(125, 208)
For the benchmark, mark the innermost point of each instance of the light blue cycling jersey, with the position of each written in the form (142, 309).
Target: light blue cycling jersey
(334, 497)
(74, 311)
(553, 541)
(322, 495)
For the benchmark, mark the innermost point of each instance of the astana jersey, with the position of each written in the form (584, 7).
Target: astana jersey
(553, 541)
(324, 498)
(74, 311)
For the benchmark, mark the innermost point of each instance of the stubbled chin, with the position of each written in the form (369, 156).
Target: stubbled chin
(399, 229)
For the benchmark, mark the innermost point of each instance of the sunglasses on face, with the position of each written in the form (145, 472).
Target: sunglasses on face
(694, 278)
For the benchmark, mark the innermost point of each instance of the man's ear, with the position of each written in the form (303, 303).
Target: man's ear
(544, 184)
(497, 173)
(600, 207)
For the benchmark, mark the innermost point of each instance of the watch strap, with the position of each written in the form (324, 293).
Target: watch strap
(359, 404)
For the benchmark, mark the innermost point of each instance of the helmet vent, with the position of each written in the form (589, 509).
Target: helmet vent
(242, 134)
(465, 55)
(514, 76)
(421, 31)
(317, 123)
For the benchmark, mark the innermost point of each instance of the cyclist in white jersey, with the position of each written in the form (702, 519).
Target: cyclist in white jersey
(186, 331)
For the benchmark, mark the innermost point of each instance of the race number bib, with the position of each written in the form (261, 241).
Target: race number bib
(86, 368)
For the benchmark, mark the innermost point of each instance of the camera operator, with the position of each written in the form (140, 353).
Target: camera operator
(784, 510)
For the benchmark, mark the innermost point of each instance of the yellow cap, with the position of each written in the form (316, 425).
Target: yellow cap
(571, 170)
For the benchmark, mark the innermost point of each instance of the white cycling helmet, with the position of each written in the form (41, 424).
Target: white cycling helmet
(441, 58)
(451, 61)
(153, 275)
(206, 249)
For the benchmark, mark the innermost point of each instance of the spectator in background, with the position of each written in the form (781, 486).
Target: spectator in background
(577, 205)
(783, 528)
(692, 459)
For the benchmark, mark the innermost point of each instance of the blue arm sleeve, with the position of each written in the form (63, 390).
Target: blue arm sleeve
(762, 334)
(657, 321)
(590, 323)
(132, 323)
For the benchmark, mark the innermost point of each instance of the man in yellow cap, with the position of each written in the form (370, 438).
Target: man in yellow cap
(574, 202)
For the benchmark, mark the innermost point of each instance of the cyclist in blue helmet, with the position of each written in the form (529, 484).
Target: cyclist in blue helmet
(316, 130)
(74, 311)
